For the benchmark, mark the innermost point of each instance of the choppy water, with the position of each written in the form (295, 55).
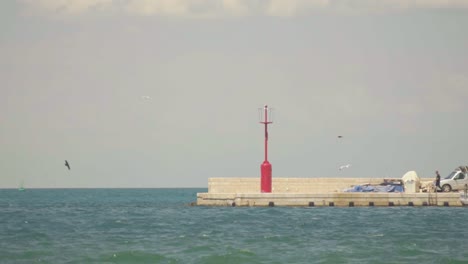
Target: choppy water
(159, 226)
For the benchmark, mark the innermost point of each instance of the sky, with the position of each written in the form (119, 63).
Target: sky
(165, 93)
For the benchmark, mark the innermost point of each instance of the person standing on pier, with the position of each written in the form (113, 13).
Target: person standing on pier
(437, 181)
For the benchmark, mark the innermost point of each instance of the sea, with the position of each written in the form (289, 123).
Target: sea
(162, 226)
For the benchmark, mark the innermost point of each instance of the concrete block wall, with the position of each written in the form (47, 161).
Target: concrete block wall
(288, 185)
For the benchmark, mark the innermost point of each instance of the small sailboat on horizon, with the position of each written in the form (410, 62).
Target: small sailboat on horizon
(21, 187)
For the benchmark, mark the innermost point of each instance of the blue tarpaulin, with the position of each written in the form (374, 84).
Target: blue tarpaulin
(379, 188)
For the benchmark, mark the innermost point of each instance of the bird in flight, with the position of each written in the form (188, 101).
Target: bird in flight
(146, 97)
(344, 166)
(67, 165)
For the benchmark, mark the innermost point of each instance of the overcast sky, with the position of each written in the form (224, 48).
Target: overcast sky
(389, 76)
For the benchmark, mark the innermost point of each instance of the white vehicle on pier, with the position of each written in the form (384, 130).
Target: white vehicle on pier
(456, 180)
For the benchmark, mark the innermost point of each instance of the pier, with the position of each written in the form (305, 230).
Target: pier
(315, 192)
(269, 191)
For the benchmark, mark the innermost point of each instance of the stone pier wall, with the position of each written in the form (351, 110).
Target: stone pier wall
(289, 185)
(329, 199)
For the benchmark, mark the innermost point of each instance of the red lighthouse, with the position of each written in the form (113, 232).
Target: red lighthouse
(265, 168)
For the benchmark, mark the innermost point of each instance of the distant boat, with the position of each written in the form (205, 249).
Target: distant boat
(21, 187)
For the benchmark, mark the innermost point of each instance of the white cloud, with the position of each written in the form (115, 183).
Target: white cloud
(236, 7)
(187, 8)
(291, 8)
(422, 3)
(166, 7)
(71, 7)
(218, 8)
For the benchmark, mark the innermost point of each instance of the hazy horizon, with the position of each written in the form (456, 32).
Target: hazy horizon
(390, 77)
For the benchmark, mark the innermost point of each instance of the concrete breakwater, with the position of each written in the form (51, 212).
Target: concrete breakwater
(314, 192)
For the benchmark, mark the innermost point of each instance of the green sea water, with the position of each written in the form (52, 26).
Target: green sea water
(160, 226)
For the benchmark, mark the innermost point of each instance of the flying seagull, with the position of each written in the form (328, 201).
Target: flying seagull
(344, 166)
(67, 165)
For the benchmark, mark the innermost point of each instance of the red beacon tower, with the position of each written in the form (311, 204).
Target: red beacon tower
(265, 168)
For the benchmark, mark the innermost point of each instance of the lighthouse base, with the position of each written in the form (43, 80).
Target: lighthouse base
(265, 182)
